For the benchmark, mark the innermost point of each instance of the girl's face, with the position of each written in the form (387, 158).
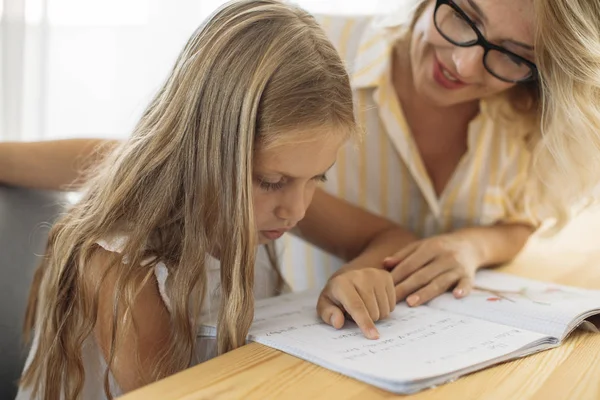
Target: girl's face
(285, 178)
(447, 74)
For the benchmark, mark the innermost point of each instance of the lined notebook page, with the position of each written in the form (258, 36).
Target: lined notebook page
(286, 305)
(527, 304)
(415, 344)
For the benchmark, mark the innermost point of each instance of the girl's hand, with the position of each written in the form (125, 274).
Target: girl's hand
(366, 295)
(427, 268)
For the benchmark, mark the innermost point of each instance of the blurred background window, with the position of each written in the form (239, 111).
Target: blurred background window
(87, 68)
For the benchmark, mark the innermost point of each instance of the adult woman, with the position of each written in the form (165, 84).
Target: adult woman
(449, 97)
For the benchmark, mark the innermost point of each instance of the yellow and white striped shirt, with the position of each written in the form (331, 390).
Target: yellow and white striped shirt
(385, 173)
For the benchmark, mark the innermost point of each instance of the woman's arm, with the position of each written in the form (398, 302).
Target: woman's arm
(54, 165)
(362, 289)
(427, 268)
(350, 232)
(499, 243)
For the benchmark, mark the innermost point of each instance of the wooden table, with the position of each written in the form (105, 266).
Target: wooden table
(571, 371)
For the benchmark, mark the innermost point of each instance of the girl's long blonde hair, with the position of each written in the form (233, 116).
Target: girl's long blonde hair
(181, 187)
(567, 158)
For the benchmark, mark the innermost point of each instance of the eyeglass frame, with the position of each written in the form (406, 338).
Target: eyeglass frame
(483, 42)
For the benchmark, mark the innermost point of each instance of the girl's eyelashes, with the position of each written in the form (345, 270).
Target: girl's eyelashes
(272, 186)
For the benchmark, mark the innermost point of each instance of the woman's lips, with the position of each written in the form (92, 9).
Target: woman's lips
(444, 77)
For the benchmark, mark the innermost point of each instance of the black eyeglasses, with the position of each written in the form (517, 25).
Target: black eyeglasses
(457, 28)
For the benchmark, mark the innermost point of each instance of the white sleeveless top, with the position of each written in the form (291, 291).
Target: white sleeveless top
(265, 285)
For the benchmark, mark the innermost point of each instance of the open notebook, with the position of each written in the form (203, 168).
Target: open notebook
(504, 318)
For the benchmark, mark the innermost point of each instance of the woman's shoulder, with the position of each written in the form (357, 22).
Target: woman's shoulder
(333, 23)
(345, 31)
(360, 38)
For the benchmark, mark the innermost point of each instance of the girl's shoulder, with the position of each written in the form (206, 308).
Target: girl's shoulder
(116, 244)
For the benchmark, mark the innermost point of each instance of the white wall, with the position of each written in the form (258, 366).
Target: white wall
(89, 67)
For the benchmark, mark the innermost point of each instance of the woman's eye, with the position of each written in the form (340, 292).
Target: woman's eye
(514, 59)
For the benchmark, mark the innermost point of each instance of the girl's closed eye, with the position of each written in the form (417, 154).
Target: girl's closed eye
(270, 186)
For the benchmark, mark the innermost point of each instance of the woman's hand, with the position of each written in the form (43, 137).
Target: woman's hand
(427, 268)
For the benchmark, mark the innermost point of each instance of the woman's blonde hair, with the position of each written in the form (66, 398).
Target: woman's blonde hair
(567, 158)
(255, 73)
(562, 111)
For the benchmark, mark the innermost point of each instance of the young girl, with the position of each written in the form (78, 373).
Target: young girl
(227, 156)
